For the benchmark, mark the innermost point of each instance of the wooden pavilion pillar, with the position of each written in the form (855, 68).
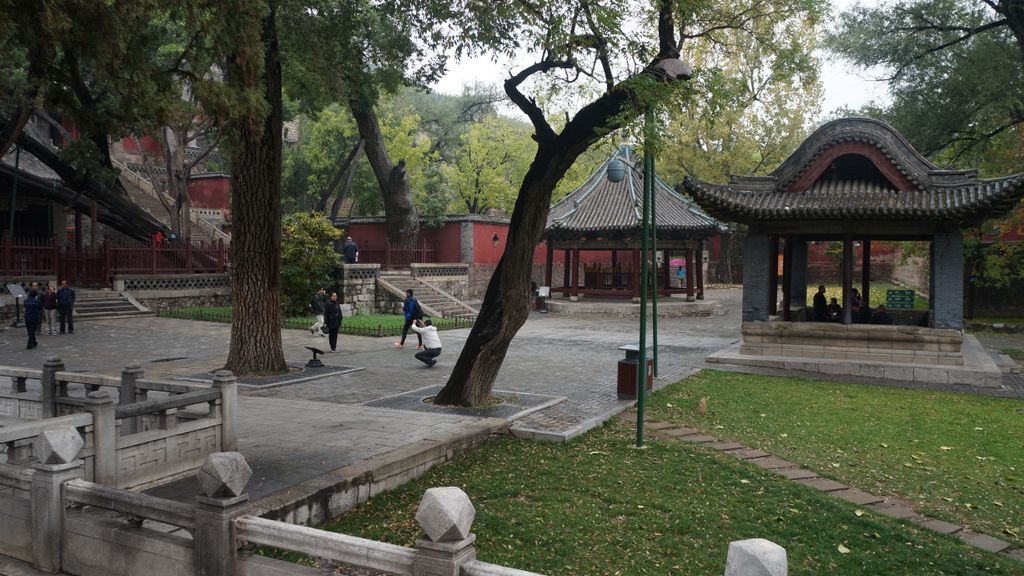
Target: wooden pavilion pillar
(615, 260)
(865, 274)
(700, 269)
(666, 280)
(575, 292)
(787, 279)
(566, 267)
(773, 276)
(550, 264)
(635, 273)
(848, 280)
(689, 274)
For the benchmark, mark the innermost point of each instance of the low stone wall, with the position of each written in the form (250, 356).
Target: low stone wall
(864, 342)
(173, 285)
(171, 302)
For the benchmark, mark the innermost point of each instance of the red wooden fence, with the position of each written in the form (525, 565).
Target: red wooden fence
(391, 256)
(37, 257)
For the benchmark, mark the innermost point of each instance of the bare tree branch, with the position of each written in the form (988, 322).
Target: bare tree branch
(529, 106)
(601, 46)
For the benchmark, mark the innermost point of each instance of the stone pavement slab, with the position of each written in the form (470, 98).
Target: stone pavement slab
(855, 496)
(823, 484)
(983, 541)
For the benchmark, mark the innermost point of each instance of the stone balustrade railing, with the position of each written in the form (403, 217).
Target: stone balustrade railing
(153, 430)
(47, 527)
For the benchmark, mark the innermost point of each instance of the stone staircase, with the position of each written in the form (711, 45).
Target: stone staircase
(434, 301)
(106, 304)
(144, 195)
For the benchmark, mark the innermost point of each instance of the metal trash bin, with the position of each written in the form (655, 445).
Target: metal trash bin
(628, 368)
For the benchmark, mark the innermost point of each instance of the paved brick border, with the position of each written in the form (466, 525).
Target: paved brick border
(892, 507)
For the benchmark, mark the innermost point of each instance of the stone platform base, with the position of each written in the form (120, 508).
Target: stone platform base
(978, 368)
(611, 308)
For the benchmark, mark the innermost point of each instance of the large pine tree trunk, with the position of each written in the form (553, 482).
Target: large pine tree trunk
(256, 213)
(402, 221)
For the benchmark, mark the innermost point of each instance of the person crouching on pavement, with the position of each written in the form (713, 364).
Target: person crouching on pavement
(431, 342)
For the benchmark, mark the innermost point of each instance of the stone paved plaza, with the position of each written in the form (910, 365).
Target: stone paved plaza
(294, 433)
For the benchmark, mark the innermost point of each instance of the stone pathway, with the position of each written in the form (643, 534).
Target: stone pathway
(886, 506)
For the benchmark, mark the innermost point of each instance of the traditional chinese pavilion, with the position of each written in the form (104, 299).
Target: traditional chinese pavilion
(856, 180)
(605, 216)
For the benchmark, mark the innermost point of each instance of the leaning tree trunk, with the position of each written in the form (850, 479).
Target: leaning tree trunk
(402, 221)
(256, 216)
(507, 300)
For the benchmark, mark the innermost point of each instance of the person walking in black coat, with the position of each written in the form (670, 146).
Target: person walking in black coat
(33, 314)
(66, 307)
(332, 317)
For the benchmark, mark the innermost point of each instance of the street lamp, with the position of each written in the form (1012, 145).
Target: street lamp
(668, 69)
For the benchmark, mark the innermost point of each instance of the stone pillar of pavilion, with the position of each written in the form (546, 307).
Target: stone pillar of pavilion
(798, 286)
(948, 285)
(756, 247)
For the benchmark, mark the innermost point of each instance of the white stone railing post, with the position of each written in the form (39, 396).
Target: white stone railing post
(104, 437)
(48, 397)
(446, 516)
(56, 450)
(756, 557)
(223, 478)
(127, 395)
(224, 380)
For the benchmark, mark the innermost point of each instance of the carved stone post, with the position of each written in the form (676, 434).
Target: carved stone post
(129, 377)
(49, 384)
(756, 557)
(104, 437)
(56, 450)
(223, 478)
(446, 515)
(225, 381)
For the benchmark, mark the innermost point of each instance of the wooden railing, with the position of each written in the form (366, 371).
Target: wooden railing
(391, 256)
(31, 257)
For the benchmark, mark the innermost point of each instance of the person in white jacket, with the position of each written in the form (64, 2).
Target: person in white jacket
(431, 342)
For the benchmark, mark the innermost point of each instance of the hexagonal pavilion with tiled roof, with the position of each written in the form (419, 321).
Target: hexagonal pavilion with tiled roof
(602, 215)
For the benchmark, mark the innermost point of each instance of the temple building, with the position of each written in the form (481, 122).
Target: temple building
(857, 180)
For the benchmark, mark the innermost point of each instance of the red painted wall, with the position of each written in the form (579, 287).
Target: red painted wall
(210, 192)
(150, 145)
(448, 241)
(484, 249)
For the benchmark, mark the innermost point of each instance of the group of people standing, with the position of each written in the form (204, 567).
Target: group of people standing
(861, 314)
(327, 311)
(57, 306)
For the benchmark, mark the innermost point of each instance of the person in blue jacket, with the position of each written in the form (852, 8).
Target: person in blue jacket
(413, 312)
(33, 315)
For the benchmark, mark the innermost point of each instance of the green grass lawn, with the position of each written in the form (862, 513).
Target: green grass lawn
(360, 325)
(1015, 353)
(597, 506)
(953, 456)
(877, 294)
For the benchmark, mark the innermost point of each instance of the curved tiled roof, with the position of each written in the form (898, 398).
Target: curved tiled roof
(604, 208)
(934, 194)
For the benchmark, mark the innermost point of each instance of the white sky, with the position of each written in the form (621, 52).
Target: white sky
(844, 85)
